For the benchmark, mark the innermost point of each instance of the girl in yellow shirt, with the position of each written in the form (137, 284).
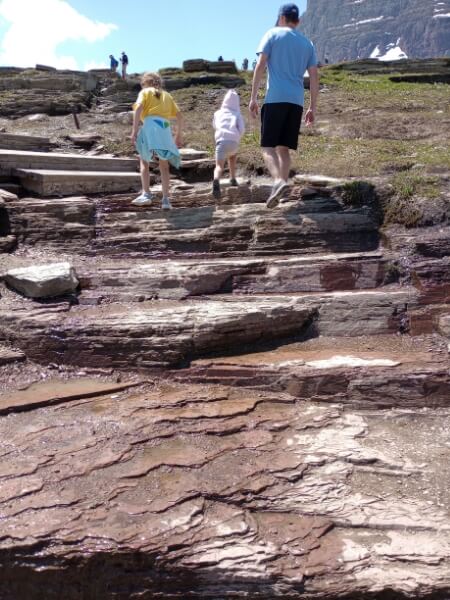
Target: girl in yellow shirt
(154, 108)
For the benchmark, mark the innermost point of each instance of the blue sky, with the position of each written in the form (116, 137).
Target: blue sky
(82, 33)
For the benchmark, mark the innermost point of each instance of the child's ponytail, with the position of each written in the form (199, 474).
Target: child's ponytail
(152, 80)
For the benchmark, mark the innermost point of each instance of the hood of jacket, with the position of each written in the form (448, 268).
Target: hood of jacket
(231, 102)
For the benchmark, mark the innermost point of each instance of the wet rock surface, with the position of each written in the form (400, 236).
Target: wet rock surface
(234, 403)
(236, 492)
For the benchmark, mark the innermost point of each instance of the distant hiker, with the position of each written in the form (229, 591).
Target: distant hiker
(114, 63)
(287, 54)
(254, 63)
(327, 60)
(154, 108)
(245, 64)
(220, 59)
(228, 126)
(124, 61)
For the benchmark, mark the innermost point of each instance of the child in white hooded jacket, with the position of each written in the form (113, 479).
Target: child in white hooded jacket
(228, 126)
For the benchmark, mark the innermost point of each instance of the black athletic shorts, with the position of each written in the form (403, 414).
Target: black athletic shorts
(280, 124)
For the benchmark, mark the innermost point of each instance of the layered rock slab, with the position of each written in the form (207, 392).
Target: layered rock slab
(119, 280)
(241, 223)
(181, 491)
(160, 334)
(378, 371)
(148, 336)
(249, 228)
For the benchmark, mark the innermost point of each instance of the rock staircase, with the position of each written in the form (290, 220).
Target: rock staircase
(279, 426)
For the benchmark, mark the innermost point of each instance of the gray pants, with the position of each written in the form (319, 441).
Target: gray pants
(225, 149)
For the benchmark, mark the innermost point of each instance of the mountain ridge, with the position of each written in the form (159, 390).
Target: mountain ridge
(392, 29)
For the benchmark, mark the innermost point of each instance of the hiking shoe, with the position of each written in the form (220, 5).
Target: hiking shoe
(145, 199)
(165, 204)
(234, 183)
(216, 189)
(277, 191)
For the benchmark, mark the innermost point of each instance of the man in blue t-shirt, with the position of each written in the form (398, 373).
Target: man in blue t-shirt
(286, 54)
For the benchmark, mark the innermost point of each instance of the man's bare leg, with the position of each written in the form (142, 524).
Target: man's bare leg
(277, 163)
(272, 163)
(284, 160)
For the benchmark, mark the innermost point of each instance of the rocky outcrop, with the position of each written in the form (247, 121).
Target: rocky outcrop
(348, 30)
(26, 92)
(219, 66)
(118, 96)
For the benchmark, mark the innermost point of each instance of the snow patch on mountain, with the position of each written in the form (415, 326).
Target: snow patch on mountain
(391, 52)
(364, 21)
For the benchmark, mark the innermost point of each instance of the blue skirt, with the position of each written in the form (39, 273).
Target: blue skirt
(155, 139)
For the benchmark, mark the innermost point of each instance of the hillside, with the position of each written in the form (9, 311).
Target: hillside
(387, 29)
(372, 120)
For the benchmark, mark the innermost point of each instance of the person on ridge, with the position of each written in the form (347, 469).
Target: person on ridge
(228, 127)
(124, 61)
(286, 54)
(113, 63)
(155, 108)
(245, 64)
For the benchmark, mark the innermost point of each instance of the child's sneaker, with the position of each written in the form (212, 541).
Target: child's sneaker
(234, 183)
(145, 199)
(216, 189)
(165, 204)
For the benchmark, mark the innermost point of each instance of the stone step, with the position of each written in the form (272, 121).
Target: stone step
(196, 169)
(245, 228)
(161, 334)
(11, 160)
(377, 371)
(192, 154)
(12, 141)
(67, 183)
(117, 228)
(136, 280)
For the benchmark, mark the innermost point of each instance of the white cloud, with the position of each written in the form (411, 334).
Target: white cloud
(93, 64)
(38, 27)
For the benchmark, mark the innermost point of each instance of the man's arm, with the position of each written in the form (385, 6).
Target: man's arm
(314, 94)
(136, 120)
(257, 77)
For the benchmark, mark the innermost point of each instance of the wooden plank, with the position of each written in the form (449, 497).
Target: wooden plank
(17, 159)
(48, 182)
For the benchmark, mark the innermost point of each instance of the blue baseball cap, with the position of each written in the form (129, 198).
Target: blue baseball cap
(290, 11)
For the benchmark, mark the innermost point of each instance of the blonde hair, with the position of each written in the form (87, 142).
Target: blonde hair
(152, 80)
